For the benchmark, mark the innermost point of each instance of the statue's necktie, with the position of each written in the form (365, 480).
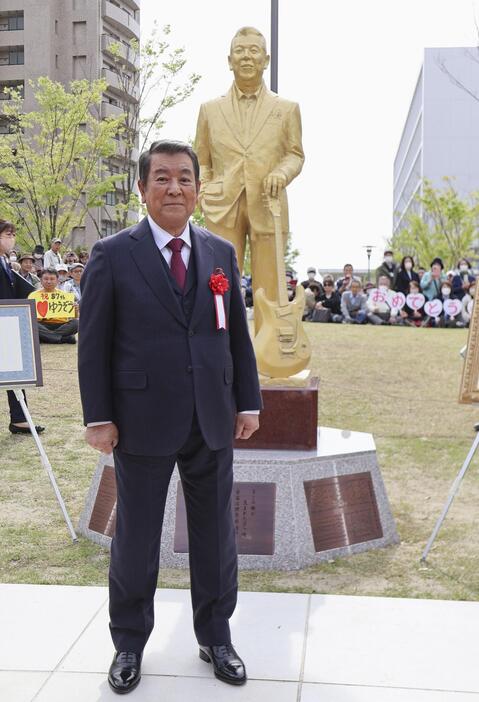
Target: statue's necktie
(177, 265)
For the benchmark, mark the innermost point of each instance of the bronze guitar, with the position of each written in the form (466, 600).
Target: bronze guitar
(281, 346)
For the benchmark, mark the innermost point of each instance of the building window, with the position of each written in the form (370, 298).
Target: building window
(16, 56)
(110, 198)
(56, 26)
(11, 23)
(108, 227)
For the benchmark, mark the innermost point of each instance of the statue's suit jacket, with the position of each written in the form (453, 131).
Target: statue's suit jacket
(232, 162)
(148, 365)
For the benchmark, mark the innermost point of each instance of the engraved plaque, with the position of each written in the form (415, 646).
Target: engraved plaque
(342, 511)
(253, 507)
(103, 516)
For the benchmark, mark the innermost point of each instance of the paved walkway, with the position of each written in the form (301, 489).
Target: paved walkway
(55, 647)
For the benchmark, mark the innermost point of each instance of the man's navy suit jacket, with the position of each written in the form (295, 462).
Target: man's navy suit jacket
(143, 364)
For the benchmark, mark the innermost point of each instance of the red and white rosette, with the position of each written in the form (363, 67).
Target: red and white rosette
(219, 284)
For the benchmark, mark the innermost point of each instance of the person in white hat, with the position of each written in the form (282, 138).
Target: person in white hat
(52, 257)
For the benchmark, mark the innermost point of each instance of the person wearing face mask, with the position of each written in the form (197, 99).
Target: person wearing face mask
(466, 300)
(13, 287)
(411, 317)
(63, 276)
(387, 268)
(463, 279)
(312, 279)
(380, 312)
(405, 275)
(447, 293)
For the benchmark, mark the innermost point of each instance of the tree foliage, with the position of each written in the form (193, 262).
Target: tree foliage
(50, 172)
(148, 92)
(444, 225)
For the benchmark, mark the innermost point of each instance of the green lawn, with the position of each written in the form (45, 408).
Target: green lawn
(400, 384)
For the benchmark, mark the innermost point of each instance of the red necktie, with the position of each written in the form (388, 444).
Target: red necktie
(177, 265)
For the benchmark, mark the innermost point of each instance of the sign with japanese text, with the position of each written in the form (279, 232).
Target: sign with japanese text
(415, 301)
(452, 307)
(54, 305)
(396, 300)
(433, 308)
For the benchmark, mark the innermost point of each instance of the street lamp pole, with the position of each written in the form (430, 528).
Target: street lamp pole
(274, 45)
(369, 249)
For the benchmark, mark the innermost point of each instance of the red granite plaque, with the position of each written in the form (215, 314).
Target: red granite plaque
(342, 511)
(253, 506)
(103, 516)
(289, 419)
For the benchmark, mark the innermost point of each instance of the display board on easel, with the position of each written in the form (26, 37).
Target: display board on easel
(21, 367)
(20, 362)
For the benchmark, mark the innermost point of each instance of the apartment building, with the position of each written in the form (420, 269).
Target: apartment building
(441, 133)
(68, 40)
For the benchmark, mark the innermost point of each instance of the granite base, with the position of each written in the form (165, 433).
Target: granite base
(315, 506)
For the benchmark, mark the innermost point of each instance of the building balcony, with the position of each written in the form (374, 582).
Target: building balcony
(109, 110)
(120, 86)
(130, 57)
(133, 4)
(11, 38)
(12, 72)
(120, 19)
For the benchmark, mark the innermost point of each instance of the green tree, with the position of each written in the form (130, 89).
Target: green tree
(155, 86)
(49, 162)
(444, 225)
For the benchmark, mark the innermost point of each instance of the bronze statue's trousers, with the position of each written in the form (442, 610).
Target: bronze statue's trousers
(263, 252)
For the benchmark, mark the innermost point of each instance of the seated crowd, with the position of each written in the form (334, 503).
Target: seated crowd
(49, 273)
(401, 295)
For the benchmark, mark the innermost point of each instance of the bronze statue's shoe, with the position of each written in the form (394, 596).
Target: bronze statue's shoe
(125, 672)
(227, 665)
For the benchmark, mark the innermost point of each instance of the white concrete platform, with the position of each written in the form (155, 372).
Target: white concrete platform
(55, 647)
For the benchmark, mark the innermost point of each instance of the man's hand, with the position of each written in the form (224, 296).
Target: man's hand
(246, 425)
(103, 438)
(274, 183)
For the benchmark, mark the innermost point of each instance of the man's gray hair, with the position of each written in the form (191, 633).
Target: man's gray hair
(244, 31)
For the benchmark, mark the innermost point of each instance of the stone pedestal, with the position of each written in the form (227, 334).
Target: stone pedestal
(289, 419)
(291, 509)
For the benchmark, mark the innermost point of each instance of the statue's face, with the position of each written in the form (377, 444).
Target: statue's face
(248, 58)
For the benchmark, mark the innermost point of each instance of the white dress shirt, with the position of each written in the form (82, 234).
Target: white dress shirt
(162, 239)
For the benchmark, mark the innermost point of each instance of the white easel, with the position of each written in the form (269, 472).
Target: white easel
(44, 459)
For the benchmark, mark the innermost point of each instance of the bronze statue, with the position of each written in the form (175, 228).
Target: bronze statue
(249, 146)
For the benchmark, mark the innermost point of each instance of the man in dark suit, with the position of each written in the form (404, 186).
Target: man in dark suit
(162, 382)
(13, 287)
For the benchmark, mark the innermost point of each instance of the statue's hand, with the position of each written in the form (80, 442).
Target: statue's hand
(274, 183)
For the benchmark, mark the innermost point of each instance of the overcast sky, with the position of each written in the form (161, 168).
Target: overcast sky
(352, 67)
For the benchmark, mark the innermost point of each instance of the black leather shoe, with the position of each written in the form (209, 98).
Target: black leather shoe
(24, 430)
(125, 672)
(227, 665)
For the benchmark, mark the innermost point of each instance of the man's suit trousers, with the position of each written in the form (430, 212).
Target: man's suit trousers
(16, 412)
(142, 484)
